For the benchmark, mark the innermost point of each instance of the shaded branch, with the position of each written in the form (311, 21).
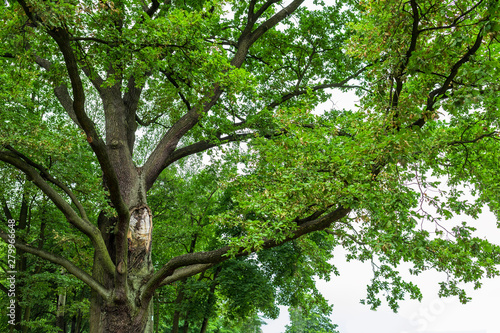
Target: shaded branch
(96, 143)
(216, 256)
(341, 84)
(93, 39)
(61, 261)
(83, 225)
(413, 45)
(176, 85)
(61, 92)
(455, 21)
(436, 93)
(488, 135)
(46, 175)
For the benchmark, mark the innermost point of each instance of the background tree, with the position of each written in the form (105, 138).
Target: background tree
(309, 320)
(122, 91)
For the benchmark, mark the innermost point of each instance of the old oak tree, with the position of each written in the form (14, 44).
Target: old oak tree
(101, 99)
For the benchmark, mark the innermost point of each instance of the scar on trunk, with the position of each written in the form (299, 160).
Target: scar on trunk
(139, 234)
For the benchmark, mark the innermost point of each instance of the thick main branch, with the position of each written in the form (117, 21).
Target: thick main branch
(59, 260)
(81, 224)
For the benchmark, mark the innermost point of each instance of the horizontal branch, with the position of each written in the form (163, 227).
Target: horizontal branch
(93, 39)
(185, 272)
(455, 22)
(462, 142)
(201, 146)
(192, 261)
(59, 260)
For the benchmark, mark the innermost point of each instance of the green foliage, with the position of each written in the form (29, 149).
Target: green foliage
(309, 321)
(242, 81)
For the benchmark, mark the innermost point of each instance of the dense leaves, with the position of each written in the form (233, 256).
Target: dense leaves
(206, 118)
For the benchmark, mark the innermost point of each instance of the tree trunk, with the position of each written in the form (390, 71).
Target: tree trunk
(177, 313)
(185, 328)
(76, 323)
(157, 317)
(61, 305)
(211, 301)
(118, 316)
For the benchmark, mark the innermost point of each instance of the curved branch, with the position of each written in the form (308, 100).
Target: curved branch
(59, 260)
(176, 85)
(436, 93)
(81, 224)
(247, 38)
(194, 261)
(46, 175)
(61, 37)
(487, 135)
(455, 21)
(167, 145)
(341, 84)
(198, 147)
(61, 92)
(185, 272)
(201, 146)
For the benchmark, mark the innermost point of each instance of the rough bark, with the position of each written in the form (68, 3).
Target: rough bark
(125, 311)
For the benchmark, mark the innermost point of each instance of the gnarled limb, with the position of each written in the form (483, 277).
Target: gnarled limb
(59, 260)
(81, 224)
(200, 261)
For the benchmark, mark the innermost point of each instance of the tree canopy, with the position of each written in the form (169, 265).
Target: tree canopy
(181, 149)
